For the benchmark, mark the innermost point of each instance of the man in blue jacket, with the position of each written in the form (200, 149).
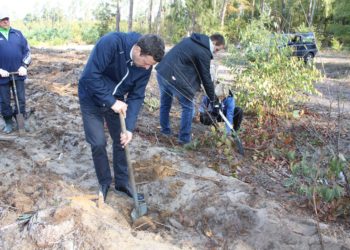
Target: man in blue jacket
(113, 83)
(14, 57)
(181, 73)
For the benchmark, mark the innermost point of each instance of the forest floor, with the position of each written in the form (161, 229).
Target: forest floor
(197, 199)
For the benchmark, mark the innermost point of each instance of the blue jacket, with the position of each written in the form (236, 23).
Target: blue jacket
(14, 53)
(187, 65)
(110, 75)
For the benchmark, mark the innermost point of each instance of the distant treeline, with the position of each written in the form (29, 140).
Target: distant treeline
(174, 19)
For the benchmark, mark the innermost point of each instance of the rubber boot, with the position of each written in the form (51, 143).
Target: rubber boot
(8, 126)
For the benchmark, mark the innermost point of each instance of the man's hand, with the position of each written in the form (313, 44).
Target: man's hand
(120, 107)
(4, 73)
(125, 138)
(22, 71)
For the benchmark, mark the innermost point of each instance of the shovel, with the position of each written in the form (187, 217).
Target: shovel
(234, 134)
(140, 207)
(19, 115)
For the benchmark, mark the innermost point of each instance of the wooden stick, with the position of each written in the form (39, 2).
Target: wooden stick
(194, 175)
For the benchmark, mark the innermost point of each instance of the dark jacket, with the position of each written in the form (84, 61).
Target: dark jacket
(14, 53)
(110, 75)
(187, 65)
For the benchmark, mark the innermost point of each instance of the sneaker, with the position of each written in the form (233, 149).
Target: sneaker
(127, 191)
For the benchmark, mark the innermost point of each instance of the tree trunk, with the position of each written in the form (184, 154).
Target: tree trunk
(150, 16)
(253, 9)
(284, 16)
(261, 6)
(131, 9)
(193, 21)
(311, 13)
(159, 16)
(223, 13)
(117, 17)
(214, 7)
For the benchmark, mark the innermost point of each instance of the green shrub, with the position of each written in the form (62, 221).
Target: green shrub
(267, 78)
(336, 45)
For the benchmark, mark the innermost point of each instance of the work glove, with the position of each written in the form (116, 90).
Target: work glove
(4, 73)
(22, 71)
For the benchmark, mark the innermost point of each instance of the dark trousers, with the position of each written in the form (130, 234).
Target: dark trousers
(5, 99)
(93, 119)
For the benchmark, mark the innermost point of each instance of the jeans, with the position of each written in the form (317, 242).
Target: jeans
(5, 99)
(167, 92)
(93, 120)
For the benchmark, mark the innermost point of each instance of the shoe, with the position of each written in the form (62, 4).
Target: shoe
(128, 192)
(104, 190)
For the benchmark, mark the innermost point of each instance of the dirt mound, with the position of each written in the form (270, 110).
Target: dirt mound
(49, 189)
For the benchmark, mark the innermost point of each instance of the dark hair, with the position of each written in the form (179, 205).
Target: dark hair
(152, 45)
(218, 39)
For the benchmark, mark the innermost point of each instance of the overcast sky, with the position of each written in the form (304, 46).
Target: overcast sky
(19, 8)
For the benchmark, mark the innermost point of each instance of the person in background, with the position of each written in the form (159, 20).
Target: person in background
(234, 114)
(181, 73)
(15, 57)
(113, 83)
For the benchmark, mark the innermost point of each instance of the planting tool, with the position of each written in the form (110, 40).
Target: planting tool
(140, 207)
(234, 133)
(19, 115)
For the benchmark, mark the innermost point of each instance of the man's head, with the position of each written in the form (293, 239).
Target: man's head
(218, 41)
(222, 90)
(4, 20)
(148, 50)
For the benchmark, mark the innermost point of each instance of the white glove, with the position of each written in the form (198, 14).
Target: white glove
(4, 73)
(22, 71)
(125, 138)
(120, 107)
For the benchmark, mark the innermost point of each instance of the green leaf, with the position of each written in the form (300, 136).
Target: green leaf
(296, 114)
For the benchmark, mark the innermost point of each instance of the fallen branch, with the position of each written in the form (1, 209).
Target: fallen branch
(13, 225)
(194, 175)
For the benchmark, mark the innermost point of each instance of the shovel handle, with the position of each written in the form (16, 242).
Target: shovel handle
(19, 116)
(130, 168)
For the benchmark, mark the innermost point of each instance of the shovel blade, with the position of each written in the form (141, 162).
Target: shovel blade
(20, 122)
(239, 146)
(139, 211)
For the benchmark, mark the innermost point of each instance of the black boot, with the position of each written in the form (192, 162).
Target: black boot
(127, 190)
(8, 125)
(104, 190)
(237, 118)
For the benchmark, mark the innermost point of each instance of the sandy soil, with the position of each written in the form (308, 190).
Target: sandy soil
(193, 200)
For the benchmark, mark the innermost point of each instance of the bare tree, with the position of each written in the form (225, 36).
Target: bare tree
(223, 12)
(131, 9)
(117, 17)
(150, 16)
(262, 3)
(159, 16)
(311, 12)
(284, 15)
